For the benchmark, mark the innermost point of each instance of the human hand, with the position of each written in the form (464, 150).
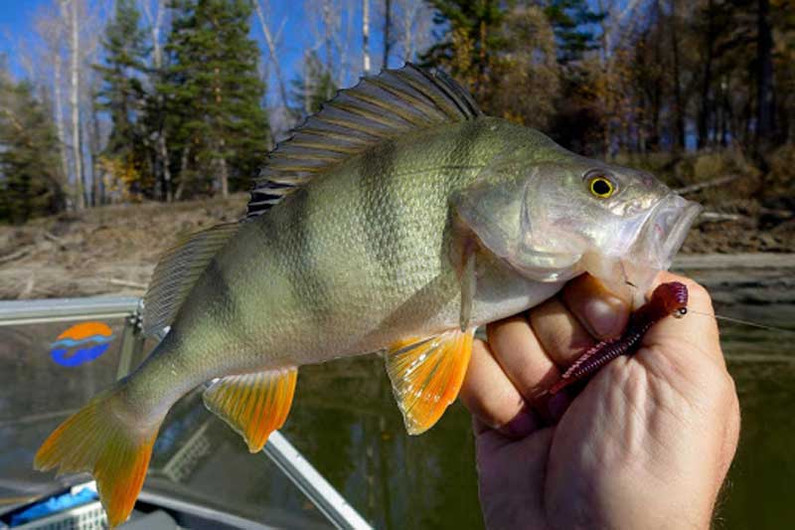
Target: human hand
(647, 442)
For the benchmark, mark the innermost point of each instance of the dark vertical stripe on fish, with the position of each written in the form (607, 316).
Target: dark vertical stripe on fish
(309, 288)
(379, 199)
(225, 303)
(463, 153)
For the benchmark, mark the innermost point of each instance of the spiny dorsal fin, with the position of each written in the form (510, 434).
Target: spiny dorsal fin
(255, 404)
(176, 273)
(426, 375)
(377, 109)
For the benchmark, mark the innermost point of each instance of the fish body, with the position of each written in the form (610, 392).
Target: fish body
(398, 220)
(360, 258)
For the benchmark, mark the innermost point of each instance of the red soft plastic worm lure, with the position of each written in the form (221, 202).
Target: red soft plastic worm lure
(667, 299)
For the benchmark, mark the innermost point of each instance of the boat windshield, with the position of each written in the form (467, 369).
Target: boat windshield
(55, 355)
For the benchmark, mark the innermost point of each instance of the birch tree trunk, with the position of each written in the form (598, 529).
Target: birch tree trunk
(183, 172)
(74, 100)
(223, 171)
(161, 152)
(97, 186)
(328, 38)
(59, 118)
(269, 41)
(366, 36)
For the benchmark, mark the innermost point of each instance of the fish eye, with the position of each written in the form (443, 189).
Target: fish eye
(601, 186)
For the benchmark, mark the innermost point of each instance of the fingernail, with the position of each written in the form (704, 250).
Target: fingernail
(522, 425)
(558, 405)
(604, 317)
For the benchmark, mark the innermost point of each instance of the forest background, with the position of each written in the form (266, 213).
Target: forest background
(129, 101)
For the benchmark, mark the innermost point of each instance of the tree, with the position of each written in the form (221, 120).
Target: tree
(213, 91)
(30, 182)
(71, 11)
(273, 59)
(469, 40)
(50, 29)
(365, 37)
(573, 21)
(313, 88)
(387, 32)
(526, 76)
(412, 20)
(154, 116)
(122, 94)
(766, 106)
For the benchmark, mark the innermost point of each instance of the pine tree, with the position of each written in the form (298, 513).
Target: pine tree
(214, 93)
(123, 97)
(30, 184)
(312, 89)
(471, 37)
(572, 22)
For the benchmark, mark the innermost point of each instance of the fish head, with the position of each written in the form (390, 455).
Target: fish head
(554, 219)
(619, 224)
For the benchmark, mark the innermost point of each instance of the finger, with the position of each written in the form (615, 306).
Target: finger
(560, 334)
(602, 313)
(698, 329)
(491, 397)
(521, 356)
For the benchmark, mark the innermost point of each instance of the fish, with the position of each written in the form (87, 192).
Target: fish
(397, 219)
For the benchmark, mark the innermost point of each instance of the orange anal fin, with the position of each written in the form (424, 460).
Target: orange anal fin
(427, 375)
(96, 439)
(254, 405)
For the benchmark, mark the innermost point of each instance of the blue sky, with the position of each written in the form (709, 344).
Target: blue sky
(16, 29)
(16, 17)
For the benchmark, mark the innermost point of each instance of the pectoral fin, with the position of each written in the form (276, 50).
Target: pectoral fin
(255, 404)
(427, 374)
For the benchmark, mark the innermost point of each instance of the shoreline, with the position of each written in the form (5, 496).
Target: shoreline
(761, 278)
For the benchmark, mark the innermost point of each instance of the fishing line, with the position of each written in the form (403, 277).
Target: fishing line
(741, 321)
(729, 319)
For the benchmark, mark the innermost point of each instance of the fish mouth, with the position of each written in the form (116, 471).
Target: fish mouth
(658, 240)
(664, 232)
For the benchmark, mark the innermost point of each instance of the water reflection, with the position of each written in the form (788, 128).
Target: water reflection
(346, 422)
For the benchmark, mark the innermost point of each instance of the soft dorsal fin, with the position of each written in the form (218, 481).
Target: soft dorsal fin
(356, 119)
(176, 273)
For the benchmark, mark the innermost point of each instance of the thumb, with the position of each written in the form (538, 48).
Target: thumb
(602, 313)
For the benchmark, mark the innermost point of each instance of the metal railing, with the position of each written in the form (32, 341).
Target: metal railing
(278, 449)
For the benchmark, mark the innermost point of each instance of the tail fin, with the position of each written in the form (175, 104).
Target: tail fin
(116, 452)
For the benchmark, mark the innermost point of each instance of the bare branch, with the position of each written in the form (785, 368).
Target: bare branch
(269, 40)
(708, 184)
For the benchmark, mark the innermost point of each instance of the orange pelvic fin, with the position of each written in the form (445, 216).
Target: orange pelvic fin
(97, 439)
(426, 376)
(254, 405)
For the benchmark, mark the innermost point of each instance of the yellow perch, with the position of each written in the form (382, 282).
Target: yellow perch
(397, 219)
